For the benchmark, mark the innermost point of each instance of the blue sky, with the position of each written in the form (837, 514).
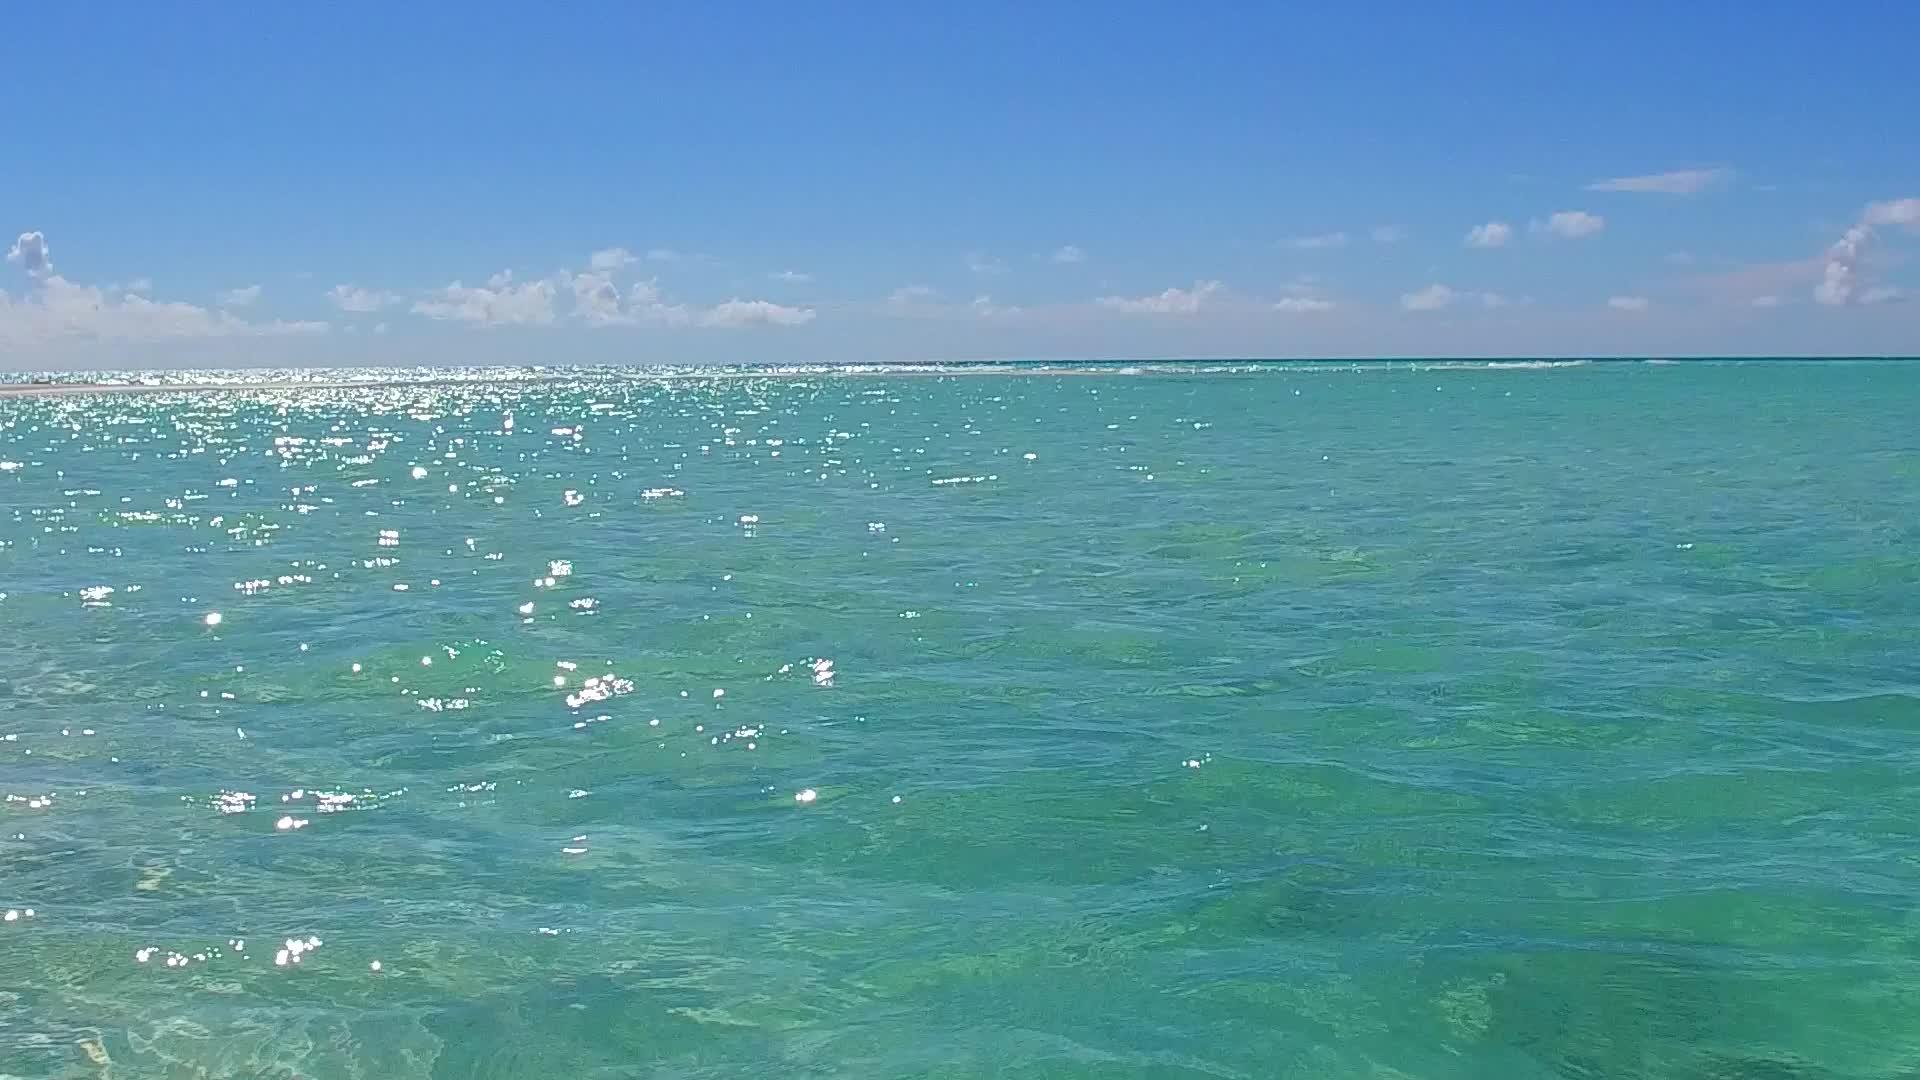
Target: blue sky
(358, 184)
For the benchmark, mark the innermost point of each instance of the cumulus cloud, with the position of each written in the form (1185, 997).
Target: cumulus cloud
(612, 258)
(355, 298)
(1627, 303)
(1437, 296)
(1894, 212)
(1491, 235)
(1843, 277)
(1840, 277)
(1742, 283)
(500, 302)
(646, 303)
(30, 251)
(921, 302)
(54, 310)
(984, 307)
(909, 295)
(1302, 304)
(58, 310)
(1677, 182)
(1389, 234)
(1571, 224)
(140, 285)
(1318, 243)
(1432, 298)
(739, 312)
(1168, 302)
(597, 300)
(241, 297)
(1068, 254)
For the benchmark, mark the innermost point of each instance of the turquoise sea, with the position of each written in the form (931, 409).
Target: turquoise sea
(1303, 720)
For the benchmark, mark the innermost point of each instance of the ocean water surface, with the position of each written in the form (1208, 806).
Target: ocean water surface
(1388, 721)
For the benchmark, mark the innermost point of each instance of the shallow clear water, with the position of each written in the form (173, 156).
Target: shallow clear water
(1394, 722)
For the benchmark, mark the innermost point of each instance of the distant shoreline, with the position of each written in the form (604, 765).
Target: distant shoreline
(70, 389)
(1021, 369)
(58, 389)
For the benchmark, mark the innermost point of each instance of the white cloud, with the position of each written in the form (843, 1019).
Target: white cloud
(1432, 298)
(791, 277)
(1491, 235)
(379, 328)
(907, 295)
(1893, 212)
(1839, 277)
(58, 309)
(241, 297)
(1068, 254)
(597, 300)
(981, 263)
(1571, 224)
(1302, 304)
(31, 252)
(646, 303)
(1168, 302)
(55, 309)
(1678, 182)
(738, 312)
(984, 307)
(1765, 301)
(355, 298)
(501, 302)
(1389, 234)
(668, 255)
(1318, 243)
(612, 258)
(140, 285)
(1742, 283)
(1627, 303)
(1437, 296)
(921, 302)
